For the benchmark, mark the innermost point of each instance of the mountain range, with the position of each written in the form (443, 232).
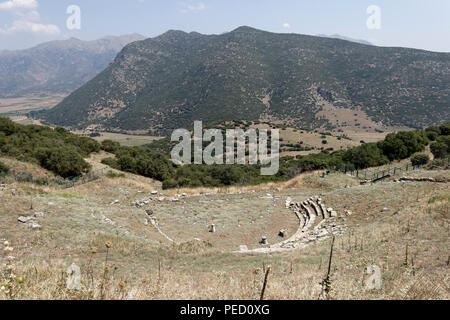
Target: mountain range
(57, 66)
(167, 82)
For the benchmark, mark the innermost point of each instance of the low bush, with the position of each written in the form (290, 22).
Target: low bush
(420, 159)
(4, 169)
(62, 161)
(112, 175)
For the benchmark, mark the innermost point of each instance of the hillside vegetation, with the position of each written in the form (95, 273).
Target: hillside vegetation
(165, 83)
(396, 146)
(63, 153)
(57, 150)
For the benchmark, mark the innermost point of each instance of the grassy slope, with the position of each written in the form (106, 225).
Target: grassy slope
(77, 220)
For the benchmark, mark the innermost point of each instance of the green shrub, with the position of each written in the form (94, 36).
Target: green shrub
(43, 181)
(432, 135)
(110, 146)
(434, 129)
(62, 161)
(4, 169)
(445, 129)
(7, 126)
(399, 146)
(440, 162)
(111, 162)
(365, 156)
(112, 175)
(140, 160)
(420, 159)
(439, 149)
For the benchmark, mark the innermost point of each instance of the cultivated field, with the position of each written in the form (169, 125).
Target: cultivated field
(125, 252)
(13, 107)
(127, 140)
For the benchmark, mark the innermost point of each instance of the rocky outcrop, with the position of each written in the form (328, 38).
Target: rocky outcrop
(32, 221)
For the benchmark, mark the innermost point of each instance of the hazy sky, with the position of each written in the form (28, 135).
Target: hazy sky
(423, 24)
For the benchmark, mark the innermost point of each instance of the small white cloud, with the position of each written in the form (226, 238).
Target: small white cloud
(18, 4)
(30, 27)
(26, 18)
(286, 25)
(192, 7)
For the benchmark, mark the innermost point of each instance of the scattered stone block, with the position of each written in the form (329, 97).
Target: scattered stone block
(288, 202)
(283, 233)
(38, 215)
(35, 226)
(243, 248)
(264, 241)
(154, 222)
(25, 219)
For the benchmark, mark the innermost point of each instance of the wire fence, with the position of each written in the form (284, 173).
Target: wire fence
(380, 174)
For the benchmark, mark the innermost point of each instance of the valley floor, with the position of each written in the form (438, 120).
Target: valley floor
(401, 227)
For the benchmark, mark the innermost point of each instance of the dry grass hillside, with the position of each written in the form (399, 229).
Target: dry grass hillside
(124, 253)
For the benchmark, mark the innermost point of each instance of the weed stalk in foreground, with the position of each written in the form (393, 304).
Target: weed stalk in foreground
(108, 246)
(266, 279)
(326, 283)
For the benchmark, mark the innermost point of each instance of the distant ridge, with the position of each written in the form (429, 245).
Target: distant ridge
(57, 66)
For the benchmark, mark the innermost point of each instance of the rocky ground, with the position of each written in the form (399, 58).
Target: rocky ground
(132, 240)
